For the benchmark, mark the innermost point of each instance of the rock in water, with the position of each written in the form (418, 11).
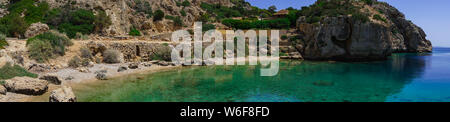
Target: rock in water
(2, 90)
(64, 94)
(51, 79)
(26, 85)
(36, 29)
(353, 38)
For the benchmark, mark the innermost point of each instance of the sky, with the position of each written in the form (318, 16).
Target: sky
(433, 16)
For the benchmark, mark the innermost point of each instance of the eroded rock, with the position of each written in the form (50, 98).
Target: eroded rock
(36, 29)
(64, 94)
(51, 78)
(26, 85)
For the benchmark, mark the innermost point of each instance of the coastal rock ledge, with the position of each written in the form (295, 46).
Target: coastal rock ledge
(353, 38)
(64, 94)
(26, 85)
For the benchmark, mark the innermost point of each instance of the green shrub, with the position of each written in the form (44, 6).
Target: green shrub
(177, 21)
(40, 51)
(3, 41)
(378, 17)
(2, 82)
(111, 56)
(81, 36)
(86, 53)
(159, 15)
(284, 37)
(143, 7)
(134, 32)
(258, 24)
(48, 45)
(186, 3)
(75, 62)
(207, 27)
(8, 71)
(360, 17)
(183, 13)
(101, 21)
(368, 2)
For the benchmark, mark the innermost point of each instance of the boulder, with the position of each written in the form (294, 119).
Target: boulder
(133, 65)
(53, 79)
(2, 90)
(26, 85)
(64, 94)
(163, 63)
(36, 29)
(101, 72)
(122, 68)
(69, 78)
(101, 76)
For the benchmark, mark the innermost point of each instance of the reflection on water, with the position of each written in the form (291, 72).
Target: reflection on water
(397, 79)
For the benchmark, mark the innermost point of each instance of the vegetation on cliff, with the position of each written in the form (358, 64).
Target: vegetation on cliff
(68, 20)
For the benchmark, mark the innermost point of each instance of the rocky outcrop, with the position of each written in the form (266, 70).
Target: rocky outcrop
(414, 38)
(36, 29)
(51, 79)
(134, 51)
(2, 90)
(64, 94)
(26, 85)
(351, 39)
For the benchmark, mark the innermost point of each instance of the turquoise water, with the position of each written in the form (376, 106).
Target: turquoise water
(402, 78)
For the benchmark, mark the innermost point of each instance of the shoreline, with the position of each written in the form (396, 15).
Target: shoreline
(81, 78)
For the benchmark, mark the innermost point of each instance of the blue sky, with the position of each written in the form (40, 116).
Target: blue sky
(432, 15)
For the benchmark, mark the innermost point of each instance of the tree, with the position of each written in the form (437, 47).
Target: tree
(159, 15)
(272, 9)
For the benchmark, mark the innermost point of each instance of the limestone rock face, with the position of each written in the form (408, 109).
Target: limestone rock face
(26, 85)
(36, 29)
(64, 94)
(350, 39)
(413, 36)
(51, 79)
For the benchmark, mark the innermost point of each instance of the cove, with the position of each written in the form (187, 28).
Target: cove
(404, 77)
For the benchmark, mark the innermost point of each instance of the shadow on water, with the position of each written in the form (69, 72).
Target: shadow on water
(297, 81)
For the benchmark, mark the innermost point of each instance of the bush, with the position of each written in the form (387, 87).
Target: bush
(134, 32)
(111, 56)
(3, 41)
(284, 37)
(40, 50)
(47, 45)
(101, 21)
(177, 21)
(183, 13)
(8, 71)
(86, 53)
(81, 36)
(258, 24)
(75, 62)
(143, 7)
(378, 17)
(368, 2)
(186, 3)
(159, 15)
(207, 27)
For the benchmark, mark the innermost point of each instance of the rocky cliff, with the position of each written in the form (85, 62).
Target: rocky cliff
(369, 32)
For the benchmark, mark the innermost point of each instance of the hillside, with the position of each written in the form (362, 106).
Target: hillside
(114, 17)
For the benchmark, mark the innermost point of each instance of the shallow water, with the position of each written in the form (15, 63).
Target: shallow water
(402, 78)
